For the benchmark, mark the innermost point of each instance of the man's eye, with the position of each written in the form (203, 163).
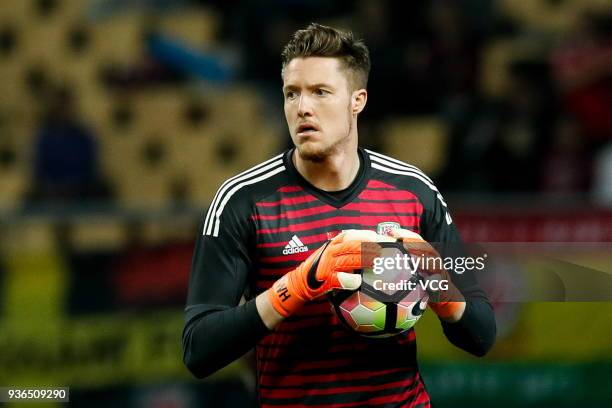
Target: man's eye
(290, 95)
(321, 92)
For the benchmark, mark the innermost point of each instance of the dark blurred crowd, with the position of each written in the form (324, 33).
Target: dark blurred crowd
(548, 130)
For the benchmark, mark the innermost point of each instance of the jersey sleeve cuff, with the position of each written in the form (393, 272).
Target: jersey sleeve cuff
(258, 327)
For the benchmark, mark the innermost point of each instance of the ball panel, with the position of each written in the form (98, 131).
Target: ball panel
(351, 302)
(404, 320)
(380, 317)
(370, 303)
(369, 328)
(348, 319)
(362, 315)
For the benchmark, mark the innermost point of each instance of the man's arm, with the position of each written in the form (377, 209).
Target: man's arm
(217, 330)
(215, 338)
(475, 331)
(269, 316)
(472, 327)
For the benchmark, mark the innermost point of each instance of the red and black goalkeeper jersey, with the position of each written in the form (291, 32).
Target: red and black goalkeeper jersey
(262, 224)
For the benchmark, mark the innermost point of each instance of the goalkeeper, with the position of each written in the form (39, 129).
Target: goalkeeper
(273, 234)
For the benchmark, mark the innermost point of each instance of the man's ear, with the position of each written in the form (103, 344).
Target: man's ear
(358, 101)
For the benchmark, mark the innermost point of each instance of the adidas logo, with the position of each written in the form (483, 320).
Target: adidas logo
(294, 246)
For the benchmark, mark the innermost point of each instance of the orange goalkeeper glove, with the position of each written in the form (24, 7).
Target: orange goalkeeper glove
(445, 303)
(328, 268)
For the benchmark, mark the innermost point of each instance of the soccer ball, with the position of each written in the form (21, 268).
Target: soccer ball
(388, 302)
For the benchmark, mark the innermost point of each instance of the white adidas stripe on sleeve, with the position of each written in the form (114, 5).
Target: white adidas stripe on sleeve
(229, 183)
(397, 163)
(241, 176)
(412, 173)
(219, 210)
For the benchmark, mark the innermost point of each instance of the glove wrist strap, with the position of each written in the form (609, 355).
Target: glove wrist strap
(284, 300)
(449, 304)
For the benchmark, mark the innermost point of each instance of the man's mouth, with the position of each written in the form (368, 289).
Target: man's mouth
(306, 129)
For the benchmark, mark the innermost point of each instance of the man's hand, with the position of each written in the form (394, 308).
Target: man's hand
(328, 268)
(448, 304)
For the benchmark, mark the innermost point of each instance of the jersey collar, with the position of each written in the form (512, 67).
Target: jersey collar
(336, 199)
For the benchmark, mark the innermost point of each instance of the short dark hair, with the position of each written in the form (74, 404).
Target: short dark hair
(318, 40)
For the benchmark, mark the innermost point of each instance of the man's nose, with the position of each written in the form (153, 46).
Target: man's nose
(304, 106)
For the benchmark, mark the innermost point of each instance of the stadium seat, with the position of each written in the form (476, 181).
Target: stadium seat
(171, 229)
(143, 190)
(43, 40)
(212, 156)
(16, 11)
(234, 107)
(119, 39)
(142, 175)
(194, 163)
(197, 27)
(96, 107)
(497, 58)
(418, 141)
(159, 110)
(17, 129)
(10, 36)
(98, 234)
(13, 87)
(13, 184)
(547, 15)
(37, 235)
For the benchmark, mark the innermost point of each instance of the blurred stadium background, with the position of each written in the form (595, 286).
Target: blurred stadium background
(119, 119)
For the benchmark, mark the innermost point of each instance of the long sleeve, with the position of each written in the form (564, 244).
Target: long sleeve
(217, 330)
(215, 338)
(475, 332)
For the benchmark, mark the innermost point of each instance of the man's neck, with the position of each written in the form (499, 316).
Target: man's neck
(333, 174)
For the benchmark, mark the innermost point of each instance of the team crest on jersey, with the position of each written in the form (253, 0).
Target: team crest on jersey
(385, 228)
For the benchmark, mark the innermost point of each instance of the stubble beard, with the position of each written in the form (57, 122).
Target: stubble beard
(322, 154)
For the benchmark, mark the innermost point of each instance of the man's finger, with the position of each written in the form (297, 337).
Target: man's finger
(349, 281)
(359, 235)
(404, 233)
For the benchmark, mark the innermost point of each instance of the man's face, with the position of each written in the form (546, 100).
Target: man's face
(317, 106)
